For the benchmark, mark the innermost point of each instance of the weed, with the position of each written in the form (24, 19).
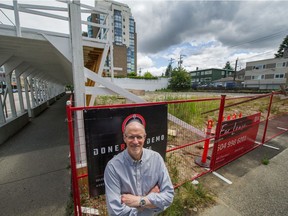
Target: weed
(109, 99)
(70, 206)
(275, 109)
(172, 163)
(265, 160)
(187, 198)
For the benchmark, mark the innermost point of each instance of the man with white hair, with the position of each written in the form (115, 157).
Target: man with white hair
(137, 181)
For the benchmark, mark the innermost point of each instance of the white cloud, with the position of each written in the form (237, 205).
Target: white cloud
(144, 61)
(154, 71)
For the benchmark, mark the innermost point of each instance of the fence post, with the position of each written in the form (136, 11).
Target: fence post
(267, 118)
(217, 132)
(203, 160)
(75, 188)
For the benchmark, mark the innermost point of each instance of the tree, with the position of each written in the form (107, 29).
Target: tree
(132, 74)
(282, 47)
(180, 80)
(148, 75)
(228, 66)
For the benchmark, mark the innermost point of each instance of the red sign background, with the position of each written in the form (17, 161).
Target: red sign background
(237, 137)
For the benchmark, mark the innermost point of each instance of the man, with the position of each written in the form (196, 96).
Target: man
(136, 180)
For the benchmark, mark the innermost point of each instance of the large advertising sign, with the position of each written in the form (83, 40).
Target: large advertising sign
(237, 137)
(104, 137)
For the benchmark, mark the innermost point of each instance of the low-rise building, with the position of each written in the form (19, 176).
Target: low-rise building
(267, 73)
(206, 76)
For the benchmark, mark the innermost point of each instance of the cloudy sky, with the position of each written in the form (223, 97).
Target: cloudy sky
(205, 33)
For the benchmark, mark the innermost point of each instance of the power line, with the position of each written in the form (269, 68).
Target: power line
(258, 55)
(261, 38)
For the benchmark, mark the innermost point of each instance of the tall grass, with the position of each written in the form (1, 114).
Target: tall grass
(193, 112)
(188, 198)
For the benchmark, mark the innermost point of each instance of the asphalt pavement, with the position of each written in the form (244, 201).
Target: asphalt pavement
(35, 179)
(256, 189)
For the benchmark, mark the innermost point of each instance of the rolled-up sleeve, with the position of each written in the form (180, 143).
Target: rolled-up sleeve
(163, 199)
(113, 194)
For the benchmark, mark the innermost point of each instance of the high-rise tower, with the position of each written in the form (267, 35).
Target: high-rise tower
(124, 36)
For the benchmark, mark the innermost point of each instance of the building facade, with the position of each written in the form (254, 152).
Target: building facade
(124, 36)
(207, 76)
(267, 73)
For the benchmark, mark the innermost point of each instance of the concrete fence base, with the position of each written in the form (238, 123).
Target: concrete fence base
(10, 128)
(38, 110)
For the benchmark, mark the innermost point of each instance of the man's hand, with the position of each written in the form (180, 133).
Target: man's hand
(130, 200)
(155, 189)
(134, 201)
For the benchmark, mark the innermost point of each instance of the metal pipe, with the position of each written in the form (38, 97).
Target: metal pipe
(267, 118)
(217, 132)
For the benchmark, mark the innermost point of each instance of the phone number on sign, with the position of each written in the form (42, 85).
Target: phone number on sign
(231, 143)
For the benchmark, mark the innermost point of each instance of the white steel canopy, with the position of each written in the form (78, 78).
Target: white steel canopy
(38, 53)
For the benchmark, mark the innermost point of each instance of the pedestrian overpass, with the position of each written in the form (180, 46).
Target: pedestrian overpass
(43, 63)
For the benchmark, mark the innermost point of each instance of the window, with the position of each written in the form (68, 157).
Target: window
(118, 25)
(272, 65)
(193, 74)
(258, 77)
(278, 76)
(258, 67)
(208, 79)
(280, 64)
(269, 76)
(118, 40)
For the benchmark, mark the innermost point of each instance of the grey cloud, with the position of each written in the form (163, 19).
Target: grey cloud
(167, 23)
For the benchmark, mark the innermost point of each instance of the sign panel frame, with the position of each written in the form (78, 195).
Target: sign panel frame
(237, 137)
(104, 137)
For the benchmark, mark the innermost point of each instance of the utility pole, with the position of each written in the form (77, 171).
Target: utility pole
(234, 77)
(171, 61)
(180, 60)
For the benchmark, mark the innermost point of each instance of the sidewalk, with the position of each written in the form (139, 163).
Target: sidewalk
(256, 189)
(34, 176)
